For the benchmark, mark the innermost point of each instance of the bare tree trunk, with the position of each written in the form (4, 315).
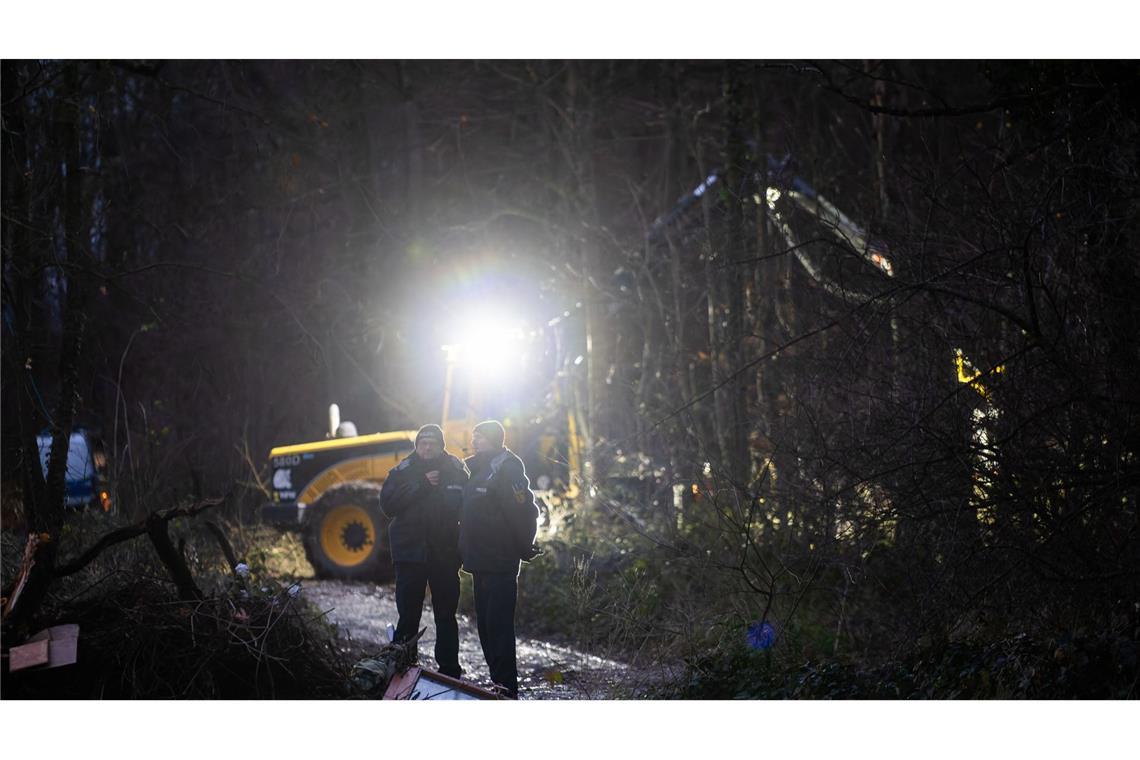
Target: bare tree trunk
(21, 277)
(600, 334)
(677, 144)
(413, 151)
(767, 285)
(45, 514)
(175, 564)
(734, 438)
(713, 300)
(880, 127)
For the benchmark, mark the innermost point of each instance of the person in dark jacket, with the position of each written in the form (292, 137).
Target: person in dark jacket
(423, 495)
(497, 530)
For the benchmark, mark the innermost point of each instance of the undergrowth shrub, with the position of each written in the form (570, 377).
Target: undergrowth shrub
(252, 635)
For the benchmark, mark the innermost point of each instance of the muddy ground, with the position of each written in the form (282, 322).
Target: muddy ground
(362, 611)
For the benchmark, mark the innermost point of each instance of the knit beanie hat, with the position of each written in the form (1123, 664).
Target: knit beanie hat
(430, 431)
(492, 430)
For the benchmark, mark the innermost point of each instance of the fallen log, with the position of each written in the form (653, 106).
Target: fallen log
(224, 543)
(188, 590)
(16, 610)
(132, 531)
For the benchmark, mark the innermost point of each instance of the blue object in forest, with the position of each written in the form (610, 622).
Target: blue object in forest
(761, 635)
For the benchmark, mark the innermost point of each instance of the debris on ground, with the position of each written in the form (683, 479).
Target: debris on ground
(422, 684)
(371, 675)
(50, 648)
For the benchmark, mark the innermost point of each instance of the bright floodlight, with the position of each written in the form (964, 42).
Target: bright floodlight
(487, 346)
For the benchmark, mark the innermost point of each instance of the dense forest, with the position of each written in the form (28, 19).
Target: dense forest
(852, 345)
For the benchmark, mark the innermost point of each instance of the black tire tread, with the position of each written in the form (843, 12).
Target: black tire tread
(362, 493)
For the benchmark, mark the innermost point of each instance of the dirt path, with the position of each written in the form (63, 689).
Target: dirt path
(362, 612)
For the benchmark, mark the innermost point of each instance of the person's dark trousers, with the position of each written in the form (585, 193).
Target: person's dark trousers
(495, 595)
(443, 578)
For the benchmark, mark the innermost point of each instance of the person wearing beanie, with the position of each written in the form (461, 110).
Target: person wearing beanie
(493, 432)
(497, 531)
(423, 496)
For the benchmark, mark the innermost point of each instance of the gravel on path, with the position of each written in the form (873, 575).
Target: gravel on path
(362, 611)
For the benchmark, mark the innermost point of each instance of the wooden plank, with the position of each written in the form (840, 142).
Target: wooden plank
(401, 686)
(29, 655)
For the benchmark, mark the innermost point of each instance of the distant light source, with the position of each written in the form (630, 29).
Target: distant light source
(486, 346)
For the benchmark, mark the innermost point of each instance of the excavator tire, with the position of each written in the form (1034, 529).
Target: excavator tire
(346, 534)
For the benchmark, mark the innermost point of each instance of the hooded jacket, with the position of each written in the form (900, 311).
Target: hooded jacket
(424, 516)
(500, 517)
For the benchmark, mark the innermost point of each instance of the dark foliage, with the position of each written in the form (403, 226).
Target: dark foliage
(141, 642)
(1100, 666)
(252, 635)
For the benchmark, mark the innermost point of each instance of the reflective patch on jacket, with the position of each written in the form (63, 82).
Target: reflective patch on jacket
(497, 462)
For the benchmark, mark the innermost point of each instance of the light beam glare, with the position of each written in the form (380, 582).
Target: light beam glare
(487, 347)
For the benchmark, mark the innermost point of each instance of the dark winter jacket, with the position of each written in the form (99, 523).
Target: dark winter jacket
(500, 518)
(424, 515)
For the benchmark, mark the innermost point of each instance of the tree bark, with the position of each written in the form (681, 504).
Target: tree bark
(175, 564)
(45, 515)
(734, 437)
